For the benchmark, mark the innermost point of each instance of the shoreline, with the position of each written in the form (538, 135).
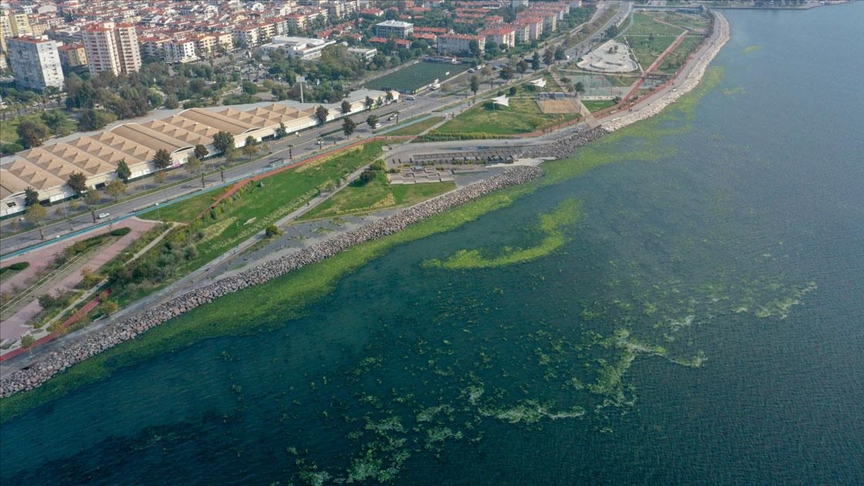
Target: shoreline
(48, 365)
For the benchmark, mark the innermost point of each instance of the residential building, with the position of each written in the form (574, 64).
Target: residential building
(35, 63)
(72, 55)
(111, 47)
(459, 43)
(394, 28)
(363, 53)
(501, 35)
(304, 48)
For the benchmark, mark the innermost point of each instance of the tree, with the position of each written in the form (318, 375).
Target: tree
(93, 120)
(36, 214)
(321, 114)
(223, 141)
(474, 49)
(54, 119)
(513, 90)
(115, 189)
(193, 164)
(123, 171)
(27, 341)
(251, 147)
(271, 231)
(109, 306)
(560, 55)
(372, 121)
(281, 131)
(159, 177)
(389, 96)
(348, 126)
(507, 72)
(200, 152)
(32, 133)
(549, 57)
(78, 182)
(579, 87)
(369, 103)
(535, 61)
(31, 197)
(162, 159)
(475, 84)
(522, 66)
(345, 106)
(92, 197)
(611, 32)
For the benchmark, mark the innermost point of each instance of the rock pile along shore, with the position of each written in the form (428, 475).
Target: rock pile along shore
(561, 149)
(49, 365)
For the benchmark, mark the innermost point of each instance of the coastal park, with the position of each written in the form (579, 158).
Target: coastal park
(612, 69)
(418, 77)
(530, 107)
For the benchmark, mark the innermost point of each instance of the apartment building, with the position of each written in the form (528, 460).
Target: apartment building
(459, 43)
(394, 28)
(111, 47)
(35, 63)
(72, 55)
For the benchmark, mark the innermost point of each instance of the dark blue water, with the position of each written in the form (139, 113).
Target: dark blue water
(741, 251)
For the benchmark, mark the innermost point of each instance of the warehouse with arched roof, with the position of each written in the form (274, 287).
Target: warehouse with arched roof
(47, 168)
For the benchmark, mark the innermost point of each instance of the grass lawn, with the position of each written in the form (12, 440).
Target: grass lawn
(378, 194)
(418, 75)
(9, 125)
(682, 20)
(522, 116)
(678, 57)
(250, 211)
(417, 128)
(644, 25)
(597, 105)
(647, 49)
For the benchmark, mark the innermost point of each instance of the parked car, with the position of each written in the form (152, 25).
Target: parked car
(104, 215)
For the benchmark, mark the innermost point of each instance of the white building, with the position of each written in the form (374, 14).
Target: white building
(304, 48)
(394, 28)
(35, 62)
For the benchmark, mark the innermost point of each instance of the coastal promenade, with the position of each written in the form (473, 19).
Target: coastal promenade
(554, 145)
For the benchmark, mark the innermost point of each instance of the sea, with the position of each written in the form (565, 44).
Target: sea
(691, 313)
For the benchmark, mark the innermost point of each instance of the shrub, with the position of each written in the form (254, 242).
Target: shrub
(120, 232)
(19, 266)
(271, 231)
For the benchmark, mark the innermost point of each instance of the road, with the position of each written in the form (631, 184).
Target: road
(304, 145)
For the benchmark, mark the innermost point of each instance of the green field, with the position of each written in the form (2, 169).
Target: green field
(378, 194)
(597, 105)
(678, 57)
(648, 49)
(522, 116)
(644, 24)
(260, 204)
(414, 77)
(417, 128)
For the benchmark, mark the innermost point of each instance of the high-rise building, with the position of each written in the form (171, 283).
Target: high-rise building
(35, 63)
(112, 48)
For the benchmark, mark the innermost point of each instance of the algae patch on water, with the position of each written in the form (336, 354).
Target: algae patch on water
(551, 226)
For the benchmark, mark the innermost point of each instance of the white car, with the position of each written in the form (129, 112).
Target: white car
(104, 215)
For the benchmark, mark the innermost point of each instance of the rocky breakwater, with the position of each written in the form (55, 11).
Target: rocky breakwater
(684, 86)
(565, 147)
(50, 364)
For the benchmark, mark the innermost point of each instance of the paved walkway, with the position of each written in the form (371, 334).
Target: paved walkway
(16, 325)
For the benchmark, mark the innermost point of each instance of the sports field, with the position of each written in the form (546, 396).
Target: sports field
(412, 78)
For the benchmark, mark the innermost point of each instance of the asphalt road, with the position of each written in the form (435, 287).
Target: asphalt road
(304, 145)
